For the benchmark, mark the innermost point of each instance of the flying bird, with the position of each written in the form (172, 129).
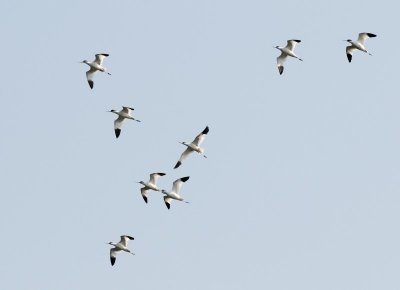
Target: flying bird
(286, 51)
(122, 245)
(174, 193)
(150, 185)
(95, 66)
(358, 44)
(125, 113)
(194, 146)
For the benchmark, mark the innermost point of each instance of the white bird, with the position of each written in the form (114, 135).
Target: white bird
(174, 193)
(125, 113)
(122, 245)
(150, 185)
(286, 51)
(358, 44)
(96, 65)
(194, 146)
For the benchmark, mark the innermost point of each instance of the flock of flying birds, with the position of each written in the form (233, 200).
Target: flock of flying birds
(288, 50)
(169, 196)
(194, 146)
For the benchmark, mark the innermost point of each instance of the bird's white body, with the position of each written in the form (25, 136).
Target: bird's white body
(174, 193)
(95, 66)
(122, 245)
(125, 113)
(150, 185)
(194, 146)
(286, 51)
(358, 44)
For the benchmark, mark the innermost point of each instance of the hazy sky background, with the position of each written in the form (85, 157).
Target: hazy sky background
(300, 189)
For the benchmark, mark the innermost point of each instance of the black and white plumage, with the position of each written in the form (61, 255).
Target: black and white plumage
(174, 193)
(193, 146)
(358, 44)
(125, 113)
(95, 66)
(122, 245)
(150, 185)
(286, 51)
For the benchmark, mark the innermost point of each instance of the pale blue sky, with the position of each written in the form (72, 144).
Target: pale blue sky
(300, 189)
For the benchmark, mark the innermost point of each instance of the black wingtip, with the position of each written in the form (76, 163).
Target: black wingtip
(349, 57)
(184, 179)
(105, 54)
(145, 198)
(130, 237)
(205, 131)
(371, 35)
(161, 173)
(297, 40)
(117, 132)
(112, 259)
(280, 69)
(168, 205)
(177, 164)
(91, 83)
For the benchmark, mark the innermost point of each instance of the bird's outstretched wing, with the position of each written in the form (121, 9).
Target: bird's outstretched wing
(100, 57)
(349, 52)
(117, 125)
(124, 240)
(167, 201)
(127, 110)
(144, 192)
(90, 75)
(200, 138)
(280, 60)
(291, 44)
(363, 36)
(154, 177)
(176, 186)
(113, 255)
(183, 157)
